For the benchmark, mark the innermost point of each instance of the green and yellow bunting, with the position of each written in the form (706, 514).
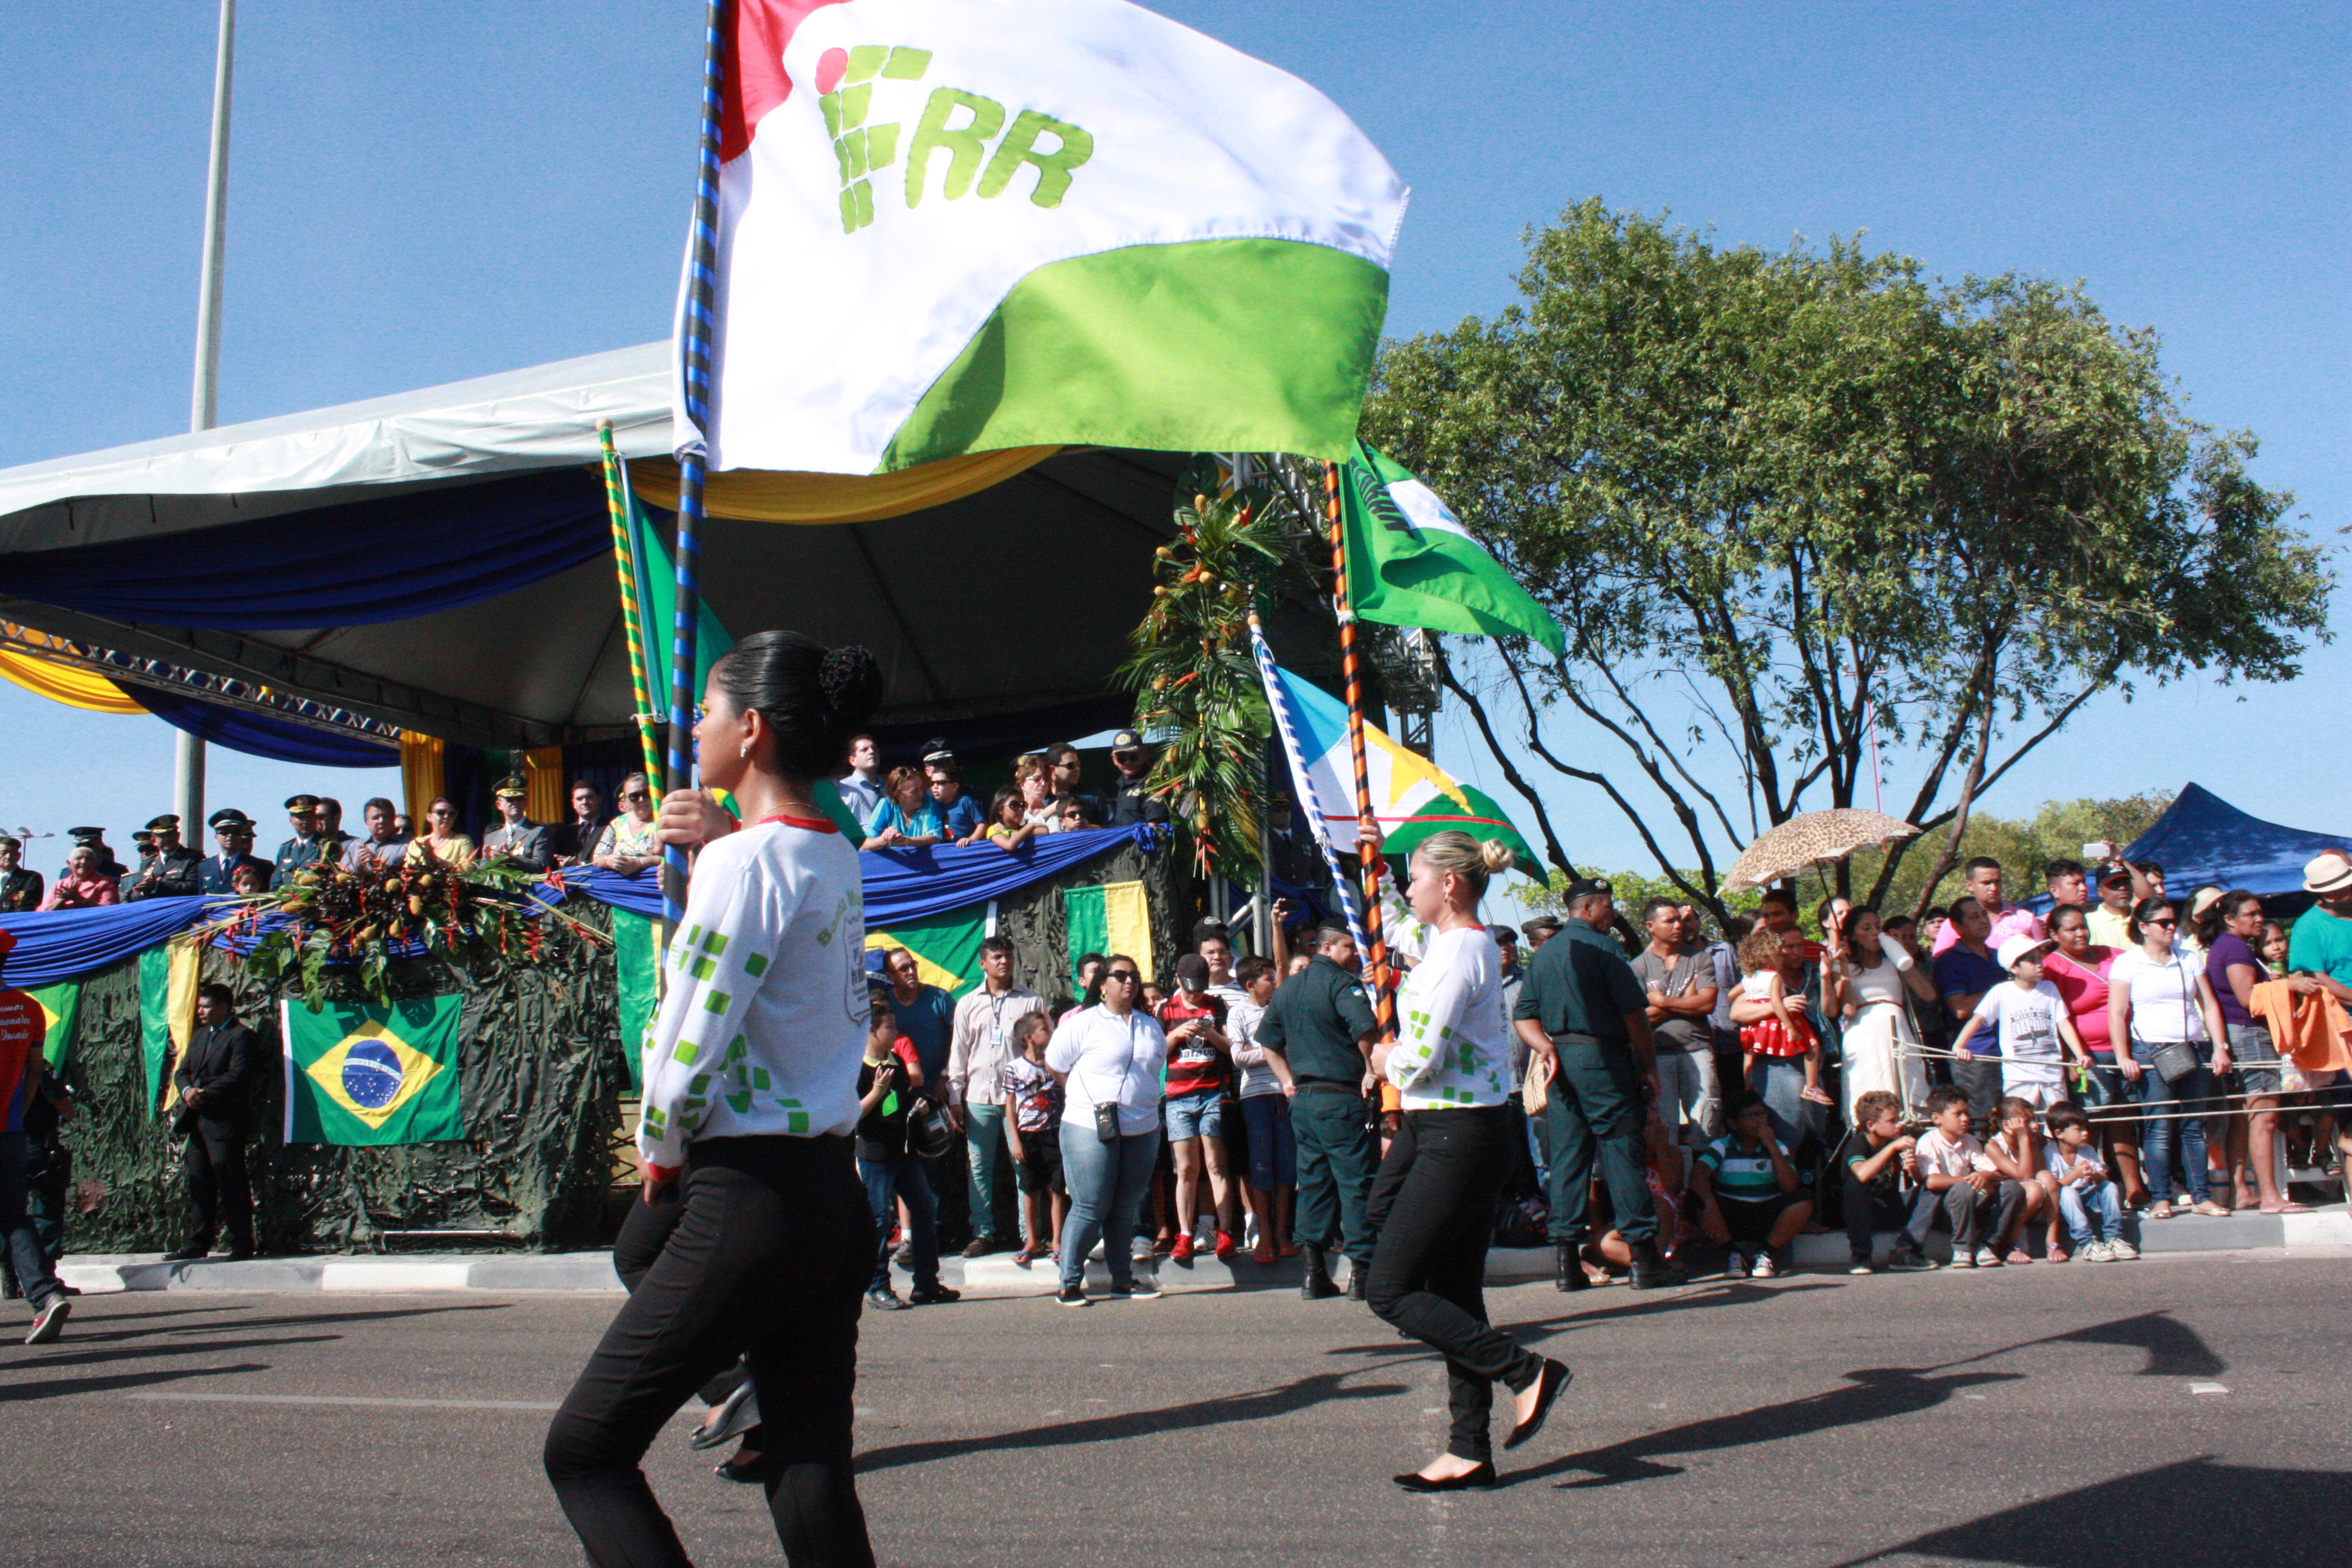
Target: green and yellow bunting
(636, 957)
(373, 1075)
(1108, 918)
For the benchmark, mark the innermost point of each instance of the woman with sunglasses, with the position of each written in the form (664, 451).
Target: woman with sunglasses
(1434, 1200)
(751, 1101)
(627, 845)
(441, 840)
(1108, 1056)
(2157, 995)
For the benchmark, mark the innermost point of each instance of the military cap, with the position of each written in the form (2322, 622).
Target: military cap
(512, 787)
(1542, 922)
(10, 841)
(227, 819)
(84, 834)
(169, 819)
(301, 802)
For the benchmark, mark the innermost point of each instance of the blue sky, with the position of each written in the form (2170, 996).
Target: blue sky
(424, 191)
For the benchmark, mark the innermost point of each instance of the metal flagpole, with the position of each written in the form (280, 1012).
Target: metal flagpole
(188, 751)
(616, 502)
(1351, 674)
(696, 326)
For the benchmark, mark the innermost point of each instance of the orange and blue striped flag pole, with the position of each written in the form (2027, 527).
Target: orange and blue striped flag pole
(1351, 674)
(616, 501)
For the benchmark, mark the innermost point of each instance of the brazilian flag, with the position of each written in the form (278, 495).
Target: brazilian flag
(946, 947)
(61, 1004)
(371, 1074)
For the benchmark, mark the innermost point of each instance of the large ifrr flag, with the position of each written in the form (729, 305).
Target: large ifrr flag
(373, 1075)
(950, 227)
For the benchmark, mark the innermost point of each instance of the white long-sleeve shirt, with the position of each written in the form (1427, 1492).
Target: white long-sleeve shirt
(1452, 1046)
(1109, 1059)
(979, 1041)
(764, 1021)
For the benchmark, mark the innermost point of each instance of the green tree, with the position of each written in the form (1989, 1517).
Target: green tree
(1785, 504)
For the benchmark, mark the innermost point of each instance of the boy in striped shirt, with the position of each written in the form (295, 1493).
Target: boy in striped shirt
(1750, 1198)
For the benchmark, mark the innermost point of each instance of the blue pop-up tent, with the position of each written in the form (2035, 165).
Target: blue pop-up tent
(2202, 838)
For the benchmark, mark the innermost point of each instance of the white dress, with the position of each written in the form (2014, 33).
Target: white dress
(1881, 1050)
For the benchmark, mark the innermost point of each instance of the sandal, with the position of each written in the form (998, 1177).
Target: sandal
(2160, 1209)
(2210, 1207)
(2290, 1208)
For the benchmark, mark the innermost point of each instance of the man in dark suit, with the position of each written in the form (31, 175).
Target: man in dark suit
(172, 872)
(20, 889)
(214, 1080)
(233, 831)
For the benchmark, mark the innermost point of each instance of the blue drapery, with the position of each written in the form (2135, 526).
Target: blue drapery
(901, 885)
(357, 564)
(259, 735)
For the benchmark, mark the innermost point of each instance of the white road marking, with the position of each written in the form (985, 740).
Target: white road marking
(344, 1399)
(2208, 1388)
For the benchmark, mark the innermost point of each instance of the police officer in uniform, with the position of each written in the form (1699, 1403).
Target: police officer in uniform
(1130, 802)
(1321, 1023)
(306, 847)
(1581, 1008)
(214, 1078)
(1541, 930)
(233, 831)
(20, 889)
(173, 871)
(517, 840)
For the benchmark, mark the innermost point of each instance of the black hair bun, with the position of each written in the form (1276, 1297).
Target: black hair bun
(851, 680)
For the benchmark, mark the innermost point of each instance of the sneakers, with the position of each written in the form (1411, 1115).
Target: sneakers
(1224, 1248)
(2093, 1252)
(1963, 1259)
(49, 1322)
(1909, 1261)
(1766, 1266)
(1988, 1258)
(1183, 1251)
(885, 1300)
(1861, 1266)
(932, 1295)
(1734, 1265)
(1140, 1250)
(2122, 1251)
(1070, 1296)
(1142, 1288)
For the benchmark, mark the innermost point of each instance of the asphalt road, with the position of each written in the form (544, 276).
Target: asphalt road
(2176, 1411)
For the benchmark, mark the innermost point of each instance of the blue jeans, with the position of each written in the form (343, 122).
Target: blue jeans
(983, 1143)
(903, 1178)
(2166, 1126)
(2078, 1205)
(34, 1275)
(1273, 1151)
(1107, 1181)
(1201, 1114)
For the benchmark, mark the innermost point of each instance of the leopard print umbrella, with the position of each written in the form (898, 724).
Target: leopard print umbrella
(1815, 838)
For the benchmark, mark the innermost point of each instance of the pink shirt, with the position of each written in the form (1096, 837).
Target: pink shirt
(64, 894)
(2013, 921)
(2084, 988)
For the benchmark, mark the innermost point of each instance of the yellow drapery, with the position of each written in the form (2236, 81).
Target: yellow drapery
(64, 683)
(755, 496)
(420, 772)
(542, 772)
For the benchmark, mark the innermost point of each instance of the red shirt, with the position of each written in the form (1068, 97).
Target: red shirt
(1193, 1065)
(22, 1025)
(2083, 988)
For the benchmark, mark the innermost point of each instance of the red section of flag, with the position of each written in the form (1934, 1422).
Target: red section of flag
(756, 82)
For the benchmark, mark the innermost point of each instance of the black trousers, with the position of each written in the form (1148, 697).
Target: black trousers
(219, 1193)
(643, 1235)
(768, 1260)
(1592, 1115)
(1434, 1206)
(1337, 1157)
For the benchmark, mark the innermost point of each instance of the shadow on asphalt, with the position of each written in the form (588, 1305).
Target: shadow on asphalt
(2174, 1350)
(1729, 1293)
(65, 1387)
(1875, 1395)
(1257, 1405)
(2158, 1516)
(71, 1356)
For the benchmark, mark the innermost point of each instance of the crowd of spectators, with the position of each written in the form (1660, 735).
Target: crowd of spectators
(619, 837)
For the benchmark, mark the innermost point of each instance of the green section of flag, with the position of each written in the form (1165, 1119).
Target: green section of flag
(636, 957)
(61, 1004)
(154, 1019)
(827, 795)
(375, 1076)
(656, 572)
(1484, 819)
(1088, 927)
(1411, 564)
(946, 947)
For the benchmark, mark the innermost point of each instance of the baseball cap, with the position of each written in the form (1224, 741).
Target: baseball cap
(2022, 946)
(1192, 972)
(1125, 741)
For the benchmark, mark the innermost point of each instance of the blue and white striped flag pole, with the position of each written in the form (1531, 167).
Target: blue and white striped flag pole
(1317, 813)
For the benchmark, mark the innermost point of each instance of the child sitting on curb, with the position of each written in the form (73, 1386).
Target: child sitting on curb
(1747, 1192)
(1874, 1197)
(1952, 1165)
(2095, 1218)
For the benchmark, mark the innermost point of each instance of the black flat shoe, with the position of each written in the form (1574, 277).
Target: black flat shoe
(744, 1468)
(1553, 1378)
(1468, 1480)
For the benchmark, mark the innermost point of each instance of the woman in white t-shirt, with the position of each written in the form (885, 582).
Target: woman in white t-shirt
(750, 1100)
(1879, 1048)
(1434, 1200)
(1109, 1055)
(2158, 994)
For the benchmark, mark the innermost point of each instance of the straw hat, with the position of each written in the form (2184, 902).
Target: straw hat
(2331, 873)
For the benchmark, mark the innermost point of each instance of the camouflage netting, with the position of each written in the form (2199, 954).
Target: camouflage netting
(540, 1074)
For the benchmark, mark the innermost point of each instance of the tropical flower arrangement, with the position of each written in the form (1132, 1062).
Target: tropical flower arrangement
(465, 916)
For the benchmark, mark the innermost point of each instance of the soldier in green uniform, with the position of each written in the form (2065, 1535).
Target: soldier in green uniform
(1320, 1022)
(1582, 1009)
(306, 847)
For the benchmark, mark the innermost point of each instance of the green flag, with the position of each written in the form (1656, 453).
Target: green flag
(636, 956)
(1484, 819)
(656, 570)
(1108, 918)
(1411, 564)
(371, 1074)
(61, 1004)
(946, 947)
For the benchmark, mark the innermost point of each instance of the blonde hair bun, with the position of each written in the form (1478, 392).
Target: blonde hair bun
(1496, 856)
